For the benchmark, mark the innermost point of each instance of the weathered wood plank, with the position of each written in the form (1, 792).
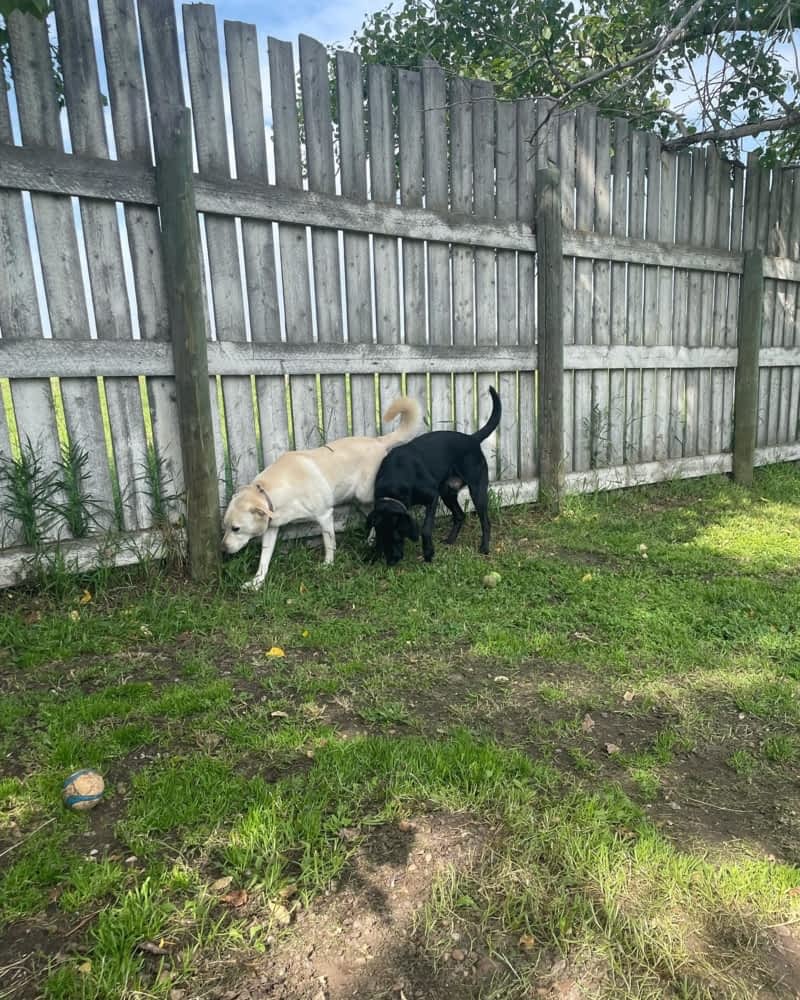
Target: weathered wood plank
(585, 172)
(127, 97)
(719, 224)
(526, 295)
(292, 238)
(434, 100)
(635, 402)
(695, 305)
(315, 86)
(650, 382)
(213, 158)
(792, 335)
(409, 120)
(600, 439)
(507, 333)
(19, 317)
(619, 298)
(680, 312)
(37, 106)
(462, 256)
(387, 268)
(258, 245)
(664, 319)
(747, 371)
(558, 133)
(484, 137)
(112, 309)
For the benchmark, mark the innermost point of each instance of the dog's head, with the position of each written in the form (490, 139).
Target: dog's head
(247, 517)
(393, 524)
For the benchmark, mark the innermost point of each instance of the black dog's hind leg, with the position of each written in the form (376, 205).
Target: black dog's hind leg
(450, 500)
(480, 497)
(427, 531)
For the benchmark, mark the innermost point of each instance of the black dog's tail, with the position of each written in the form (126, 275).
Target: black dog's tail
(493, 420)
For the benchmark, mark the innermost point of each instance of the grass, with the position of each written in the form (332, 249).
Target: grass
(624, 727)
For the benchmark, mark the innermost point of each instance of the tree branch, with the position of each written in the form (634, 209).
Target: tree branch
(739, 132)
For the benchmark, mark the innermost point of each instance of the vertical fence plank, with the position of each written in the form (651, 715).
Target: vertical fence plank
(706, 212)
(325, 242)
(434, 100)
(774, 298)
(732, 309)
(619, 294)
(526, 285)
(635, 402)
(292, 238)
(387, 276)
(37, 105)
(126, 91)
(560, 136)
(585, 161)
(680, 312)
(19, 317)
(650, 299)
(462, 259)
(358, 280)
(213, 159)
(600, 438)
(792, 329)
(664, 334)
(104, 256)
(721, 220)
(551, 337)
(695, 309)
(483, 161)
(507, 330)
(409, 120)
(749, 335)
(258, 245)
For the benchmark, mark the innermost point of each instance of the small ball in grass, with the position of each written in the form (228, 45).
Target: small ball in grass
(82, 790)
(491, 579)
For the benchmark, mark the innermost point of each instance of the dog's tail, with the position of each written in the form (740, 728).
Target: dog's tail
(494, 418)
(410, 414)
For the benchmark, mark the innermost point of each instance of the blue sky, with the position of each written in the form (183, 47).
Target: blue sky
(328, 21)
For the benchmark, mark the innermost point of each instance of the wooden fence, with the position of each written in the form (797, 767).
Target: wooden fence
(350, 247)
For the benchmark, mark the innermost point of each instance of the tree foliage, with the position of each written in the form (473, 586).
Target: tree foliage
(682, 68)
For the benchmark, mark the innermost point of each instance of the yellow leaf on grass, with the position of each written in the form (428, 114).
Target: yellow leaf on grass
(305, 633)
(85, 968)
(85, 597)
(586, 578)
(275, 651)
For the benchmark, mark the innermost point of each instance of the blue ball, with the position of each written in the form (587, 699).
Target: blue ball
(83, 789)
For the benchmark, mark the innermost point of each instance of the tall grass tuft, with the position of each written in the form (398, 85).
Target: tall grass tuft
(78, 509)
(29, 494)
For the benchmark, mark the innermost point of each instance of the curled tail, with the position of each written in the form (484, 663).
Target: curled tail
(494, 418)
(410, 414)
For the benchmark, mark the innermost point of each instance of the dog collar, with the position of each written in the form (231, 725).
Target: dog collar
(395, 500)
(264, 493)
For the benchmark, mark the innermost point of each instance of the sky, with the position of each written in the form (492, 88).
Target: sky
(329, 21)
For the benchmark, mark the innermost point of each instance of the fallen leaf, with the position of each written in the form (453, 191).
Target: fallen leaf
(527, 942)
(588, 723)
(55, 893)
(75, 615)
(279, 715)
(85, 597)
(626, 833)
(151, 948)
(221, 884)
(406, 825)
(275, 651)
(305, 633)
(349, 833)
(177, 994)
(586, 578)
(303, 588)
(612, 748)
(288, 891)
(32, 617)
(279, 914)
(458, 954)
(501, 679)
(628, 696)
(236, 898)
(85, 968)
(642, 547)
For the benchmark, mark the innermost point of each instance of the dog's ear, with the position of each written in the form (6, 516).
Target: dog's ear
(412, 531)
(261, 512)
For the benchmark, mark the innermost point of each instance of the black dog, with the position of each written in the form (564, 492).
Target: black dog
(433, 465)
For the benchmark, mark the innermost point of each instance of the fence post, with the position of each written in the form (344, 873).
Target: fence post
(180, 241)
(550, 336)
(745, 406)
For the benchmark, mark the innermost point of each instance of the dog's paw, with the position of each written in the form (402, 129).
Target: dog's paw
(252, 585)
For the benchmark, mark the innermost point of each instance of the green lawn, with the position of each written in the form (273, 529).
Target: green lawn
(614, 727)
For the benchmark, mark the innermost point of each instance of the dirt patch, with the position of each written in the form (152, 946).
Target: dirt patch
(362, 940)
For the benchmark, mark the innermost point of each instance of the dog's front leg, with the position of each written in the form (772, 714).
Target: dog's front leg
(427, 531)
(268, 540)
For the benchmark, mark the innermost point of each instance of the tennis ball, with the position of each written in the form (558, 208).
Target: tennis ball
(491, 580)
(83, 790)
